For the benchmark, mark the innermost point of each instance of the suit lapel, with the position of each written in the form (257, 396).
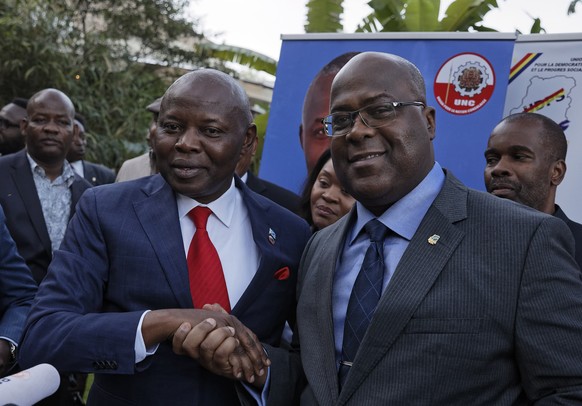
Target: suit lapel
(262, 224)
(158, 215)
(22, 177)
(77, 189)
(331, 248)
(415, 274)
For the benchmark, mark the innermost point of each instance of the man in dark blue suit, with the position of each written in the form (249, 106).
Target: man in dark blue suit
(17, 290)
(119, 287)
(38, 187)
(96, 174)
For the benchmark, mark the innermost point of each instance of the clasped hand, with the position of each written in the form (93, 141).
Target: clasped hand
(224, 346)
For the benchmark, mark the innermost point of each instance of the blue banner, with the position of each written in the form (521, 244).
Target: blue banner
(466, 78)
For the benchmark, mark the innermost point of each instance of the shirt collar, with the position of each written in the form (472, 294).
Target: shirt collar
(404, 216)
(67, 175)
(223, 207)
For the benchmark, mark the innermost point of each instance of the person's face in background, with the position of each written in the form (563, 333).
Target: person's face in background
(519, 166)
(315, 107)
(11, 139)
(79, 144)
(49, 128)
(329, 202)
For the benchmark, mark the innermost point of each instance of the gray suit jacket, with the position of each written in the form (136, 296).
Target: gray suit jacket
(489, 315)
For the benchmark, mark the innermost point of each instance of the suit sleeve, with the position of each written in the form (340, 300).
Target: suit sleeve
(17, 287)
(66, 326)
(548, 326)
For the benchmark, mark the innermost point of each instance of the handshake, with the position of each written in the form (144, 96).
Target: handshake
(224, 346)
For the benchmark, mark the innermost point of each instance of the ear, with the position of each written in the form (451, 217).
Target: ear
(430, 117)
(250, 141)
(23, 127)
(301, 136)
(558, 172)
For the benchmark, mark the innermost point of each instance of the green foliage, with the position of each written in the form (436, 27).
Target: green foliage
(572, 6)
(423, 15)
(324, 16)
(95, 51)
(242, 56)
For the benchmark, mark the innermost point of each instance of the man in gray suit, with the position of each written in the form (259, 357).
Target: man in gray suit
(478, 299)
(526, 162)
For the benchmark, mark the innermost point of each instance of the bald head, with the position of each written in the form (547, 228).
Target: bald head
(388, 65)
(49, 96)
(210, 78)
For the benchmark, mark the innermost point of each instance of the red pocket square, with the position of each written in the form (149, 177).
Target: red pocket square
(282, 273)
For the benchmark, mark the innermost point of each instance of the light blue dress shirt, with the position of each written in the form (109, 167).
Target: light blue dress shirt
(403, 218)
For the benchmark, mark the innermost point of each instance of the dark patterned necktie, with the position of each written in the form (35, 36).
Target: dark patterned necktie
(364, 297)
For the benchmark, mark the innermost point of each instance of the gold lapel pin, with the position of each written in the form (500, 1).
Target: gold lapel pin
(433, 239)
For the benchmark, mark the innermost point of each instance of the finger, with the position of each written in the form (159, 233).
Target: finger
(179, 336)
(211, 343)
(215, 307)
(240, 361)
(191, 342)
(252, 346)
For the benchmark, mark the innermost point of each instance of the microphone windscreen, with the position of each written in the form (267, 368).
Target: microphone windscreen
(29, 386)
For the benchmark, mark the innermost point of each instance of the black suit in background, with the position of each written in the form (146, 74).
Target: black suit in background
(277, 194)
(576, 229)
(97, 174)
(24, 218)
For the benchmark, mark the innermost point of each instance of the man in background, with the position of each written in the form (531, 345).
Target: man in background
(96, 174)
(11, 139)
(526, 161)
(145, 164)
(315, 107)
(39, 191)
(279, 195)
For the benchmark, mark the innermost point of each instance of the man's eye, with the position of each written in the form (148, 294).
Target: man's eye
(379, 111)
(341, 120)
(170, 127)
(212, 132)
(490, 160)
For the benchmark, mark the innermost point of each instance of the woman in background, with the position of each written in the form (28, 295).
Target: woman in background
(323, 200)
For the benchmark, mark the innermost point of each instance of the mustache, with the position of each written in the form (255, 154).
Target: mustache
(503, 183)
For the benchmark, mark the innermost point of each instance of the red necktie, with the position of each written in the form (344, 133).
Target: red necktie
(207, 285)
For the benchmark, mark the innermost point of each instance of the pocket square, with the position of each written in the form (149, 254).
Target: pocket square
(282, 273)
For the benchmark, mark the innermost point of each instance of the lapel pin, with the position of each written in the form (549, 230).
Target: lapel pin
(433, 239)
(272, 236)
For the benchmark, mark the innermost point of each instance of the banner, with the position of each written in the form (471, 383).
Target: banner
(466, 80)
(546, 78)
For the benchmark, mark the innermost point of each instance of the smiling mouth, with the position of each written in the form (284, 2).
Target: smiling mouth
(186, 172)
(324, 210)
(366, 157)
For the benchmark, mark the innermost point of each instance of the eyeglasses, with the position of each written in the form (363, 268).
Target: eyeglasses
(7, 124)
(373, 116)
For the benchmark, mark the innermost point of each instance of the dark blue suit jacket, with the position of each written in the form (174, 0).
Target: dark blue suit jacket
(24, 218)
(123, 254)
(97, 174)
(17, 288)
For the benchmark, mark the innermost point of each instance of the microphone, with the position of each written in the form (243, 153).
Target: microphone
(29, 386)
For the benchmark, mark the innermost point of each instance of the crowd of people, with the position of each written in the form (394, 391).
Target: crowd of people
(186, 279)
